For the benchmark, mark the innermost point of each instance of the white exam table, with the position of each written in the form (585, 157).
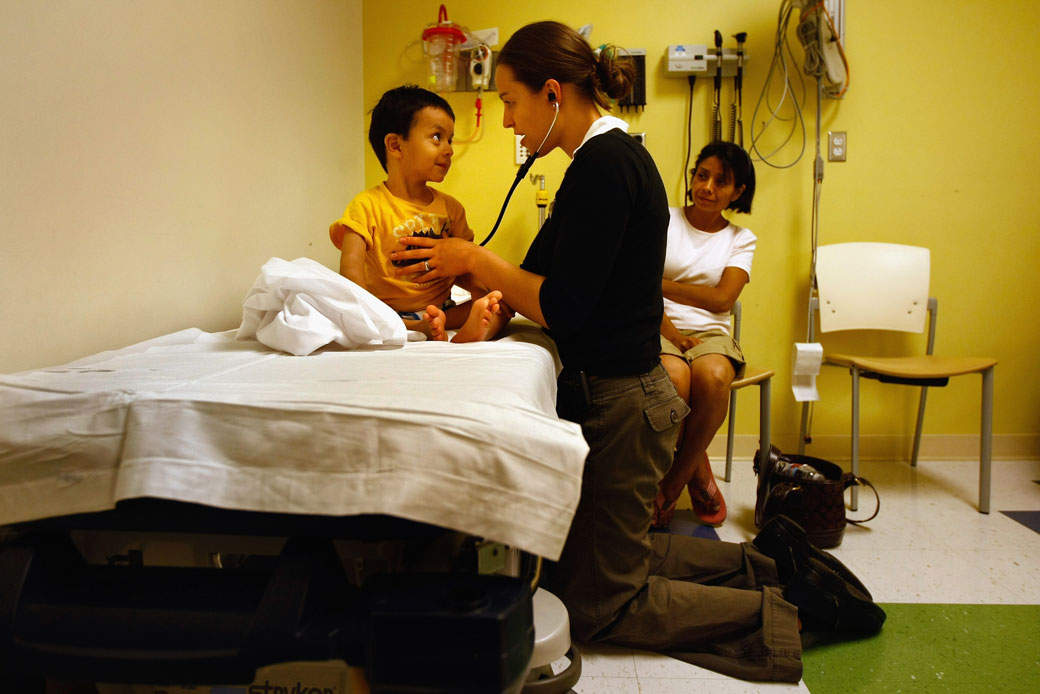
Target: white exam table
(213, 433)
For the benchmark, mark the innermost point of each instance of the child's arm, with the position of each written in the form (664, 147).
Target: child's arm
(352, 266)
(352, 259)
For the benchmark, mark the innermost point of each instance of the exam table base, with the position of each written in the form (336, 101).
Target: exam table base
(423, 633)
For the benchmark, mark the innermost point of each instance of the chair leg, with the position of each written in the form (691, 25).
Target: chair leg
(986, 444)
(855, 436)
(920, 426)
(765, 428)
(731, 426)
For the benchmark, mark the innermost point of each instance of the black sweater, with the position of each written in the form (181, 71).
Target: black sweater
(602, 253)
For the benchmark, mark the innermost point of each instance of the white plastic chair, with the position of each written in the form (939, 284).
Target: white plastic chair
(884, 286)
(752, 376)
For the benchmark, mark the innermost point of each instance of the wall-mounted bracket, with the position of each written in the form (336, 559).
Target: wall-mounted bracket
(464, 82)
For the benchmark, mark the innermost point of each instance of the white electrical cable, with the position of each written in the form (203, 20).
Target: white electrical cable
(779, 69)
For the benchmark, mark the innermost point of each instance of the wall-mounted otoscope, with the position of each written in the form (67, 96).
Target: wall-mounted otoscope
(716, 107)
(736, 114)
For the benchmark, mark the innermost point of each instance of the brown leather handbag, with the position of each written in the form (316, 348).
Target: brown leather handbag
(816, 505)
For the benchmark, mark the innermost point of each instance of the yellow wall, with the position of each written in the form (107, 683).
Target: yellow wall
(942, 154)
(153, 155)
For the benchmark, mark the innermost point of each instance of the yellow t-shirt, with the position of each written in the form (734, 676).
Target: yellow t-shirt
(380, 218)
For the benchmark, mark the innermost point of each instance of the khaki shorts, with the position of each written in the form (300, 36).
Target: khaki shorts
(712, 342)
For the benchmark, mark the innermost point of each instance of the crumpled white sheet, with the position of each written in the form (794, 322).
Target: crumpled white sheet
(300, 306)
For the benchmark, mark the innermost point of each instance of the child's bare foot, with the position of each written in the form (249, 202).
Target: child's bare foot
(435, 319)
(478, 324)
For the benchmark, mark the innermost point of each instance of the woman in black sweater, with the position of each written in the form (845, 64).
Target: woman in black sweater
(592, 278)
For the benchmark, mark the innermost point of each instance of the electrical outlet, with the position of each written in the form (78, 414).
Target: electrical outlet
(837, 145)
(639, 137)
(521, 152)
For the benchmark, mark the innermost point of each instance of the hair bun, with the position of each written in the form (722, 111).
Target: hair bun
(615, 72)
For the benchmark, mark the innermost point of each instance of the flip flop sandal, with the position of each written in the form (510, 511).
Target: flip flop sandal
(702, 508)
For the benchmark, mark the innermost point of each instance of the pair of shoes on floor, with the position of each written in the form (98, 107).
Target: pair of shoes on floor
(827, 602)
(827, 594)
(786, 543)
(699, 499)
(764, 465)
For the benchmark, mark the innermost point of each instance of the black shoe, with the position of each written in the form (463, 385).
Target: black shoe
(826, 602)
(764, 465)
(786, 543)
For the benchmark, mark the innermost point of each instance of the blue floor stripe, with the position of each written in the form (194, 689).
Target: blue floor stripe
(1030, 519)
(685, 523)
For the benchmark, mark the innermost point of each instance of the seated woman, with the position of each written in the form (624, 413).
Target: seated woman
(708, 263)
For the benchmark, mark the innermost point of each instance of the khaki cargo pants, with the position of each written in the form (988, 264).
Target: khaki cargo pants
(713, 604)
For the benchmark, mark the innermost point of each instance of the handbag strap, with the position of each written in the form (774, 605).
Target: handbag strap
(778, 494)
(851, 480)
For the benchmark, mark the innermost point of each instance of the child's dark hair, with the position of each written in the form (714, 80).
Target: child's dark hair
(396, 113)
(737, 165)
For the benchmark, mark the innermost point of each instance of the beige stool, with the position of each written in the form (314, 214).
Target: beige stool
(552, 641)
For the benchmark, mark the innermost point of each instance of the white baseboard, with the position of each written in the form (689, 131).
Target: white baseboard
(933, 446)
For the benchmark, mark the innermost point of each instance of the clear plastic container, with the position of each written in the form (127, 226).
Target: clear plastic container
(441, 42)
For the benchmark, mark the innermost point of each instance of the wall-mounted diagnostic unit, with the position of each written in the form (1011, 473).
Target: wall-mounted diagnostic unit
(688, 59)
(699, 60)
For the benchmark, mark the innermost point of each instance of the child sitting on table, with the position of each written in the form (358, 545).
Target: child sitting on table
(411, 133)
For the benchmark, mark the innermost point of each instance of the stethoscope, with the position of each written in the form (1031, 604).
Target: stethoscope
(524, 168)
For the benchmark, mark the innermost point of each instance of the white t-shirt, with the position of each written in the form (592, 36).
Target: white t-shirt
(699, 257)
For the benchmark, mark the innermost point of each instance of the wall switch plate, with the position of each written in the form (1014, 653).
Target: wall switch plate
(639, 137)
(521, 152)
(837, 145)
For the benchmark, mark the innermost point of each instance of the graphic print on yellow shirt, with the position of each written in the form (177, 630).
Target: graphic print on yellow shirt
(381, 219)
(425, 224)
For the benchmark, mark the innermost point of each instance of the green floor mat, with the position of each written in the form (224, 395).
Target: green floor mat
(933, 648)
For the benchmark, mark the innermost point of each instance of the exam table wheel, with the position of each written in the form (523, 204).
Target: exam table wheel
(561, 682)
(552, 641)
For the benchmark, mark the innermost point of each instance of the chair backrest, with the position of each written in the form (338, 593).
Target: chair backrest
(872, 286)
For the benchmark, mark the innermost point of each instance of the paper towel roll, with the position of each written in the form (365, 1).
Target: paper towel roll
(806, 361)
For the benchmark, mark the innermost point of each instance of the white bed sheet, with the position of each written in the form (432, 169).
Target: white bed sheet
(460, 436)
